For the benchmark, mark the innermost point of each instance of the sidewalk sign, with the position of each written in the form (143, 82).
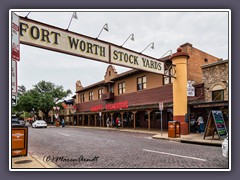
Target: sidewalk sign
(214, 124)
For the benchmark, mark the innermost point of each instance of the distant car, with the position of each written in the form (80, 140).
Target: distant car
(16, 121)
(225, 147)
(39, 123)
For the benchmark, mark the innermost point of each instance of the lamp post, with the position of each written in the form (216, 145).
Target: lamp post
(56, 114)
(33, 114)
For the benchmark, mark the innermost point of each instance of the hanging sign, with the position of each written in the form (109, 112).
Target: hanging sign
(49, 37)
(127, 58)
(53, 38)
(190, 89)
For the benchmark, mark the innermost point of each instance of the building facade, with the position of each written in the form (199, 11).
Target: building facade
(134, 96)
(215, 79)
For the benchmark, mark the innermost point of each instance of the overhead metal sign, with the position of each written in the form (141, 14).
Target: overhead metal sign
(124, 57)
(49, 37)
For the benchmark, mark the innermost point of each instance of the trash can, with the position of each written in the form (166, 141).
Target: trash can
(174, 129)
(19, 140)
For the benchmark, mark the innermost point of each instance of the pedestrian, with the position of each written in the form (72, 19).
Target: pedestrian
(117, 121)
(108, 123)
(63, 123)
(200, 124)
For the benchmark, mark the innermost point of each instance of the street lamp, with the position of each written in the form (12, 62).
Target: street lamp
(131, 37)
(33, 114)
(105, 27)
(56, 113)
(151, 45)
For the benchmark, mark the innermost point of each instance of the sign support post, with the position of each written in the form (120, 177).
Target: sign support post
(161, 109)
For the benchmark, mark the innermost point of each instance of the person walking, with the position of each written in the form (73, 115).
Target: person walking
(200, 124)
(108, 123)
(63, 123)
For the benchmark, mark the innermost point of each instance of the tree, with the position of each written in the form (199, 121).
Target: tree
(42, 97)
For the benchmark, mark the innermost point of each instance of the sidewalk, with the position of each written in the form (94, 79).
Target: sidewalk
(32, 161)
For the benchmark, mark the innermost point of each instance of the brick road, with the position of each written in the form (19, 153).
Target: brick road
(72, 147)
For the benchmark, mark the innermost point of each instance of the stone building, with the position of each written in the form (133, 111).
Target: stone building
(215, 79)
(216, 91)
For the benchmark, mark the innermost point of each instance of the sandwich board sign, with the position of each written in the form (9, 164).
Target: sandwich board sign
(216, 124)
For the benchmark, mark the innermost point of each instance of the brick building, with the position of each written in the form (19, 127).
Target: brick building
(134, 95)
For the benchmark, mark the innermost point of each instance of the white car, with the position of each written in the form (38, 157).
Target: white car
(225, 147)
(39, 123)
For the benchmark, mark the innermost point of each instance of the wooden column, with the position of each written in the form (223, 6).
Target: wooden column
(122, 117)
(134, 119)
(149, 119)
(103, 124)
(88, 120)
(95, 116)
(77, 120)
(111, 114)
(83, 120)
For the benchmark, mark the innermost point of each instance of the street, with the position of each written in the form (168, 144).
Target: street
(99, 148)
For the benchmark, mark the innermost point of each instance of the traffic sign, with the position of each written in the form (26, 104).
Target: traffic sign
(161, 106)
(14, 76)
(14, 99)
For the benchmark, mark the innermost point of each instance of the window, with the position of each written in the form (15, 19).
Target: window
(205, 60)
(121, 88)
(218, 95)
(82, 98)
(91, 96)
(141, 83)
(100, 91)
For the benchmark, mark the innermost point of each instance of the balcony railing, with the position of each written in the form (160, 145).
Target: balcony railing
(108, 96)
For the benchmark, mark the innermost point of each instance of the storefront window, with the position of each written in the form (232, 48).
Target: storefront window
(218, 95)
(141, 83)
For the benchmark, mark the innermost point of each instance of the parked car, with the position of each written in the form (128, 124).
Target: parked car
(39, 123)
(16, 121)
(225, 147)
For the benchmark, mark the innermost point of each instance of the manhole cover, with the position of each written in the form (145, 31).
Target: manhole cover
(23, 162)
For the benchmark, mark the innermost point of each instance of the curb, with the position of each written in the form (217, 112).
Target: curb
(191, 141)
(43, 163)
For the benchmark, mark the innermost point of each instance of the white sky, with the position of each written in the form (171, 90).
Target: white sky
(207, 31)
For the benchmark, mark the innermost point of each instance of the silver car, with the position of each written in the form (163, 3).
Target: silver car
(225, 147)
(39, 123)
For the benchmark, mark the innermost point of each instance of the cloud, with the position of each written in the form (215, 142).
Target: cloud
(207, 31)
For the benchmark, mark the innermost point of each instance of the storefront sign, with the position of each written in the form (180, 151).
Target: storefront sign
(15, 37)
(114, 106)
(96, 108)
(123, 57)
(52, 38)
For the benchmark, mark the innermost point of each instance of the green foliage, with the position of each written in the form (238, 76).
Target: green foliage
(42, 97)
